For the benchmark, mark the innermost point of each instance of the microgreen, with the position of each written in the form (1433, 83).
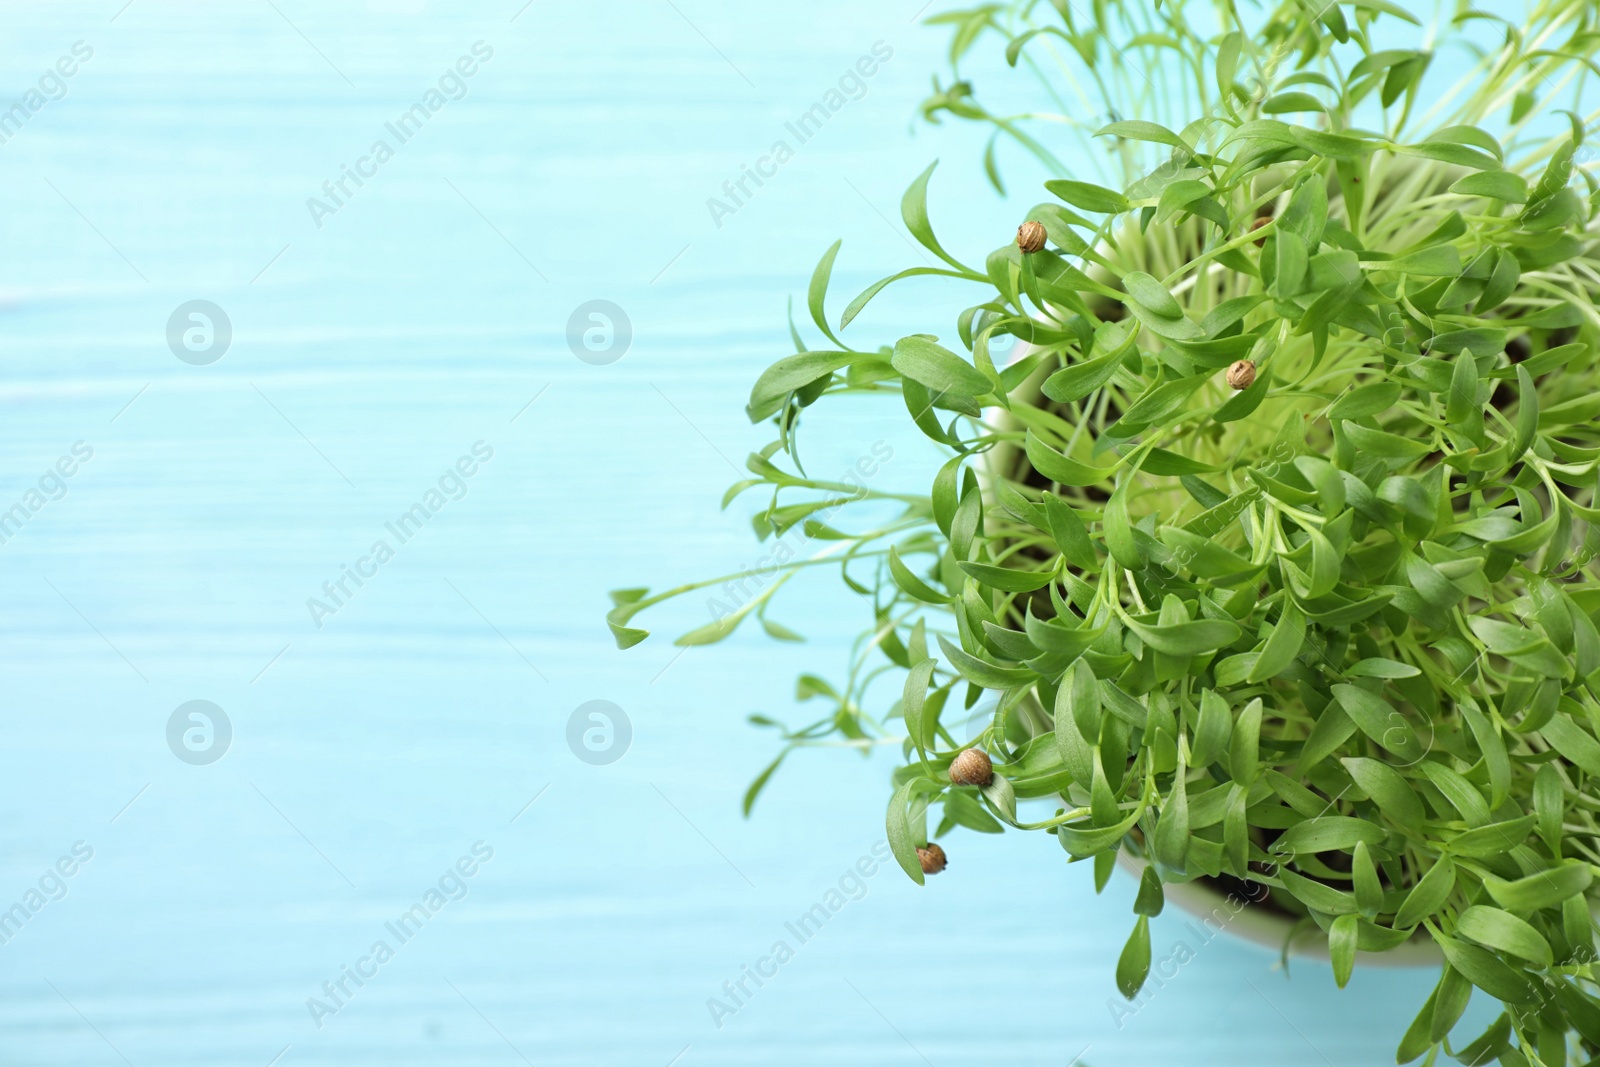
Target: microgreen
(1327, 624)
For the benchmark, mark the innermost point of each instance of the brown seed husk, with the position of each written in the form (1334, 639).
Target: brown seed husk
(972, 767)
(1031, 236)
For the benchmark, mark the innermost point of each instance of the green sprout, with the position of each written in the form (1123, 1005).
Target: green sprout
(1275, 549)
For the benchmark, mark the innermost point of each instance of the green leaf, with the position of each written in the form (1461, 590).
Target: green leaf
(913, 699)
(1243, 747)
(1083, 693)
(1468, 135)
(1104, 864)
(1187, 638)
(1134, 963)
(1089, 197)
(1502, 283)
(792, 373)
(1171, 844)
(1332, 730)
(1003, 797)
(1283, 103)
(1545, 889)
(1119, 530)
(1159, 402)
(1495, 758)
(965, 523)
(1136, 130)
(1082, 843)
(1428, 895)
(1578, 925)
(1581, 1008)
(1451, 997)
(1151, 898)
(1495, 184)
(1151, 295)
(1419, 1035)
(910, 584)
(1005, 579)
(1317, 896)
(938, 368)
(982, 673)
(1332, 145)
(1376, 667)
(1059, 468)
(1379, 720)
(1387, 789)
(1491, 840)
(1465, 797)
(1236, 831)
(1501, 930)
(1228, 62)
(1573, 742)
(898, 826)
(1329, 833)
(1282, 646)
(914, 211)
(1527, 415)
(1054, 636)
(1212, 732)
(759, 784)
(818, 292)
(714, 631)
(1493, 1043)
(808, 686)
(946, 494)
(1244, 403)
(1455, 154)
(1324, 574)
(1549, 803)
(1486, 971)
(1386, 445)
(625, 636)
(1365, 400)
(779, 632)
(1291, 264)
(963, 810)
(1069, 533)
(1076, 752)
(1073, 383)
(1364, 880)
(1342, 947)
(1377, 62)
(1462, 399)
(1179, 196)
(1440, 261)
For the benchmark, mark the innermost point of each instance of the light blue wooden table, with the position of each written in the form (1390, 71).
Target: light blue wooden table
(375, 341)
